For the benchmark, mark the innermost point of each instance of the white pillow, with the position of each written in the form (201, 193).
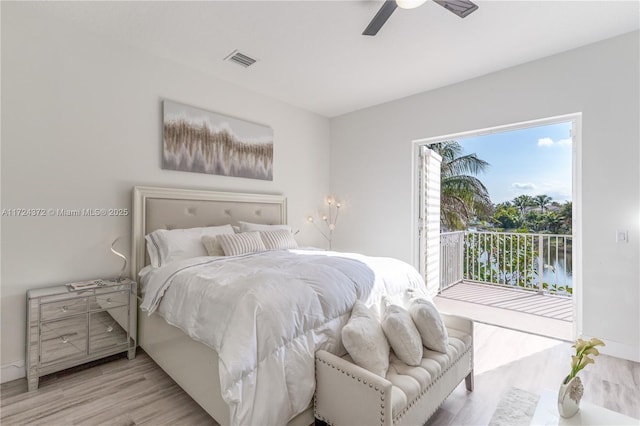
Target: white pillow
(364, 339)
(236, 244)
(402, 334)
(281, 239)
(165, 246)
(251, 227)
(429, 323)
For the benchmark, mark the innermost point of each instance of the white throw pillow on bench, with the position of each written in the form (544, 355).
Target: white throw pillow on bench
(365, 341)
(429, 323)
(402, 334)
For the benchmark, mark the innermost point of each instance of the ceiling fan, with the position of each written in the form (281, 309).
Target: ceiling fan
(461, 8)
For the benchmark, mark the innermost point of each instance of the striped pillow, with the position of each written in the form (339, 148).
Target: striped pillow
(246, 242)
(212, 245)
(281, 239)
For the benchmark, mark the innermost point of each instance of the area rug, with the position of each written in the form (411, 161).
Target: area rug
(515, 408)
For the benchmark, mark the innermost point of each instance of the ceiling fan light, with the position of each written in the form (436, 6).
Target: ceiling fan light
(409, 4)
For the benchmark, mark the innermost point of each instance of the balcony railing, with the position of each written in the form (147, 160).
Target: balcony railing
(539, 262)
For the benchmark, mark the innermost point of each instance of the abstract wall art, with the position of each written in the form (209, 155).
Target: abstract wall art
(202, 141)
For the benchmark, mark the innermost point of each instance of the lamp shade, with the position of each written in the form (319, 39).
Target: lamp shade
(409, 4)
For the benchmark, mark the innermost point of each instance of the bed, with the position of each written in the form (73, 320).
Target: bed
(192, 361)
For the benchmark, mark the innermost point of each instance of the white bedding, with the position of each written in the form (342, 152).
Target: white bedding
(266, 314)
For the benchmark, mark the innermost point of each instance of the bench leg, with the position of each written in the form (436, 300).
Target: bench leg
(468, 381)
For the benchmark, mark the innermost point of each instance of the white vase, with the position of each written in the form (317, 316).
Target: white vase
(569, 397)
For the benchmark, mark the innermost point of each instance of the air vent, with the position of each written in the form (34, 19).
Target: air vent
(240, 59)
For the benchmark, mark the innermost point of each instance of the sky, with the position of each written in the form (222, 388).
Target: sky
(529, 161)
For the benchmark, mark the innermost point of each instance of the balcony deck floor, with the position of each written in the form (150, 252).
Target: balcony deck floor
(545, 315)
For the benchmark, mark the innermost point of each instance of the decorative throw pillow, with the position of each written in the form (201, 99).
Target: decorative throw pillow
(245, 242)
(364, 339)
(165, 246)
(251, 227)
(402, 334)
(281, 239)
(212, 245)
(429, 323)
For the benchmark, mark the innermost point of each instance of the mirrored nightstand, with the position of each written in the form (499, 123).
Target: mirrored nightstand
(67, 327)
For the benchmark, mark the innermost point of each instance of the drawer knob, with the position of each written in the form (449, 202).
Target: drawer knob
(109, 329)
(108, 300)
(65, 339)
(65, 308)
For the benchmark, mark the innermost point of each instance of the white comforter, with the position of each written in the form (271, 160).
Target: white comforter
(266, 314)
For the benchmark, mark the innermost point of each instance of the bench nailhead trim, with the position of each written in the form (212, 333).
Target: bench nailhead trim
(353, 376)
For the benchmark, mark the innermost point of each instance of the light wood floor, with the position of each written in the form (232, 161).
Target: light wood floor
(115, 392)
(137, 392)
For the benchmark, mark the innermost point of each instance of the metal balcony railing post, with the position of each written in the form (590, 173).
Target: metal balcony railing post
(540, 263)
(443, 261)
(461, 256)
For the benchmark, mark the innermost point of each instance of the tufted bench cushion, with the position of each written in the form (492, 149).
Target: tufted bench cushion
(350, 395)
(409, 382)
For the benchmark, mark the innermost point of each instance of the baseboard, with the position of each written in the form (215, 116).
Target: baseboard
(618, 350)
(13, 371)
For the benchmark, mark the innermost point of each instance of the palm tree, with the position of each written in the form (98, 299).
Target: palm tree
(542, 201)
(522, 202)
(553, 222)
(566, 215)
(462, 196)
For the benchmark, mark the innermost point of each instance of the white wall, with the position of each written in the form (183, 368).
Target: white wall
(81, 125)
(371, 154)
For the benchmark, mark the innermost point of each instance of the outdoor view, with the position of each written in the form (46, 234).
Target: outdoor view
(506, 208)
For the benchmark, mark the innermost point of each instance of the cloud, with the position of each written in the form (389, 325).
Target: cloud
(558, 190)
(519, 185)
(551, 142)
(545, 142)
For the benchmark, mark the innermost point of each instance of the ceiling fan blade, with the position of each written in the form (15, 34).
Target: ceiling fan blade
(461, 8)
(381, 17)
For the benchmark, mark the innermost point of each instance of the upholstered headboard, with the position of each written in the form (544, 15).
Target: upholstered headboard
(171, 208)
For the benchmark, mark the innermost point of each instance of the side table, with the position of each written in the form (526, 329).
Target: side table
(67, 327)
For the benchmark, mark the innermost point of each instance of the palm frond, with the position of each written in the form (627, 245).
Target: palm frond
(465, 184)
(462, 196)
(467, 164)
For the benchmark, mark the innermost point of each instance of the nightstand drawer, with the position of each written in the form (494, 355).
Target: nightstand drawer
(109, 300)
(106, 332)
(63, 340)
(63, 308)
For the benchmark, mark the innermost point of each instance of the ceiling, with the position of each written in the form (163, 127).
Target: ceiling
(311, 54)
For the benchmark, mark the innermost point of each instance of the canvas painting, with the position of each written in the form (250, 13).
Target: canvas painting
(201, 141)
